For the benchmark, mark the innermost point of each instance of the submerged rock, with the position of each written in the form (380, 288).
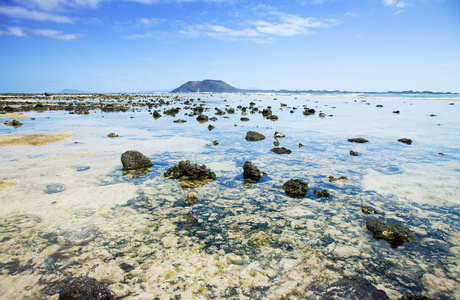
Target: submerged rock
(252, 136)
(251, 172)
(295, 188)
(341, 179)
(368, 210)
(85, 288)
(189, 219)
(395, 235)
(190, 175)
(54, 188)
(323, 194)
(281, 150)
(77, 236)
(354, 288)
(358, 140)
(133, 159)
(405, 141)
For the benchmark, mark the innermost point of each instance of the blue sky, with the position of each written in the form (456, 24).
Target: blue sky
(151, 45)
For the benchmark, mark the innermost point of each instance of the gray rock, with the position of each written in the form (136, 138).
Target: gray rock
(281, 150)
(77, 236)
(85, 288)
(395, 235)
(252, 136)
(295, 188)
(358, 140)
(187, 171)
(323, 194)
(353, 288)
(133, 159)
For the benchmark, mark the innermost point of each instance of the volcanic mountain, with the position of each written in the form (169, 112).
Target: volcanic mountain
(212, 86)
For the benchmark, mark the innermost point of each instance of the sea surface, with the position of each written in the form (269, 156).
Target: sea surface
(250, 241)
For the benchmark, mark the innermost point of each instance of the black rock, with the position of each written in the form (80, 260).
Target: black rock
(244, 119)
(179, 121)
(379, 105)
(252, 136)
(354, 288)
(396, 111)
(266, 113)
(273, 118)
(251, 172)
(281, 150)
(309, 111)
(126, 267)
(85, 288)
(353, 153)
(324, 193)
(295, 188)
(156, 114)
(211, 127)
(133, 159)
(16, 123)
(405, 141)
(172, 111)
(395, 235)
(367, 210)
(358, 140)
(202, 118)
(188, 171)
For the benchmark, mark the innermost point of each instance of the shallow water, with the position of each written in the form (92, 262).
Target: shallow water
(250, 242)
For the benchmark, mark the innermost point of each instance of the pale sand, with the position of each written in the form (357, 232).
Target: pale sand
(14, 116)
(38, 139)
(6, 184)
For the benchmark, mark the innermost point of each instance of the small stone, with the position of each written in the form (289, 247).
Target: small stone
(191, 219)
(281, 150)
(211, 127)
(78, 236)
(112, 135)
(278, 135)
(367, 210)
(215, 143)
(405, 141)
(353, 153)
(235, 259)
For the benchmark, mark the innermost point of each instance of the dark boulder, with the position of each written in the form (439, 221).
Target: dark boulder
(278, 135)
(295, 188)
(252, 136)
(353, 153)
(281, 150)
(273, 118)
(211, 127)
(354, 288)
(396, 111)
(85, 288)
(251, 172)
(179, 121)
(16, 123)
(358, 140)
(395, 235)
(172, 111)
(133, 159)
(405, 141)
(244, 119)
(266, 113)
(190, 175)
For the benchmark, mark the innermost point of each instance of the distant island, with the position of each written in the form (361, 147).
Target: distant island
(219, 86)
(208, 85)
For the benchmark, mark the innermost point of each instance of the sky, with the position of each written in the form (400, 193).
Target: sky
(157, 45)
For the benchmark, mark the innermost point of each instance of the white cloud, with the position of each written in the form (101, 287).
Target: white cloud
(15, 31)
(18, 12)
(51, 5)
(262, 31)
(56, 34)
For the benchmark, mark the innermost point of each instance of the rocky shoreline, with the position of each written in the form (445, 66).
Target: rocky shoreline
(192, 232)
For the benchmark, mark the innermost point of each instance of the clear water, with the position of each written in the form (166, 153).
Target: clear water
(250, 242)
